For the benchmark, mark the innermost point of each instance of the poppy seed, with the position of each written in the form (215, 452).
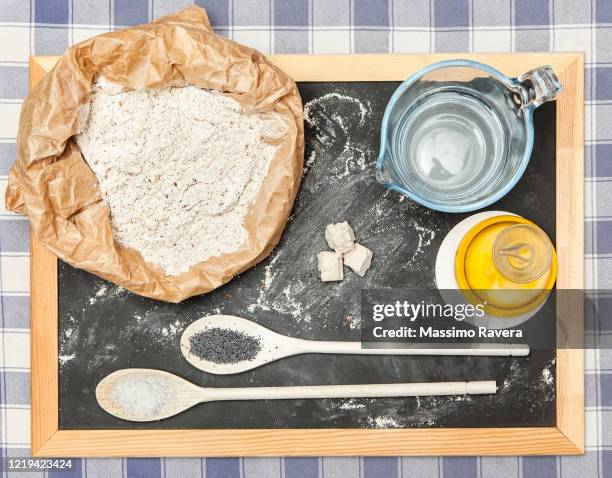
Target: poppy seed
(224, 346)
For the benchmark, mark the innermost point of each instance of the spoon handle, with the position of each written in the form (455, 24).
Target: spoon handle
(352, 391)
(374, 348)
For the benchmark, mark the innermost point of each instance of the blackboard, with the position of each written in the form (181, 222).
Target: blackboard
(103, 328)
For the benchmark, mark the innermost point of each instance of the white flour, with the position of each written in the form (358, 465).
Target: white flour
(351, 404)
(179, 168)
(332, 117)
(383, 422)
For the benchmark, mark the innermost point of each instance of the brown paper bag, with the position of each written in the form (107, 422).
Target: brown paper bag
(54, 186)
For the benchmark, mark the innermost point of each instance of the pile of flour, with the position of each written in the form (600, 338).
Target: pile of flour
(178, 167)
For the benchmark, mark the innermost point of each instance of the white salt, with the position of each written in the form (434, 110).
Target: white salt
(142, 396)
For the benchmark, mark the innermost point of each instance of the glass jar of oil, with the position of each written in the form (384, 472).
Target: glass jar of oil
(508, 263)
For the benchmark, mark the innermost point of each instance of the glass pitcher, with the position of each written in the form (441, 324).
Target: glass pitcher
(457, 135)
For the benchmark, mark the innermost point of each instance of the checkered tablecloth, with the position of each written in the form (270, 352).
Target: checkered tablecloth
(39, 27)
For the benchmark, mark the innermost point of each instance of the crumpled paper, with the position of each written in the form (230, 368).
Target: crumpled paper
(54, 186)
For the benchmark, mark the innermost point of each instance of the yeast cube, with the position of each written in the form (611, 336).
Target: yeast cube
(340, 237)
(330, 266)
(359, 259)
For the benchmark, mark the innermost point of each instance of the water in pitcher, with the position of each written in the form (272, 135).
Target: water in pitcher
(458, 135)
(451, 143)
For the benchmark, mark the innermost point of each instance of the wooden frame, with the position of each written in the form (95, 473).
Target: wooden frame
(567, 438)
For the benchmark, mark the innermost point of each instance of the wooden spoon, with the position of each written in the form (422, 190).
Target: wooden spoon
(275, 346)
(142, 395)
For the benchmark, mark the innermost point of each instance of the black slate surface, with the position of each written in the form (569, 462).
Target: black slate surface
(104, 328)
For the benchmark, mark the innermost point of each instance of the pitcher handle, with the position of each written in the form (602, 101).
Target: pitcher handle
(541, 85)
